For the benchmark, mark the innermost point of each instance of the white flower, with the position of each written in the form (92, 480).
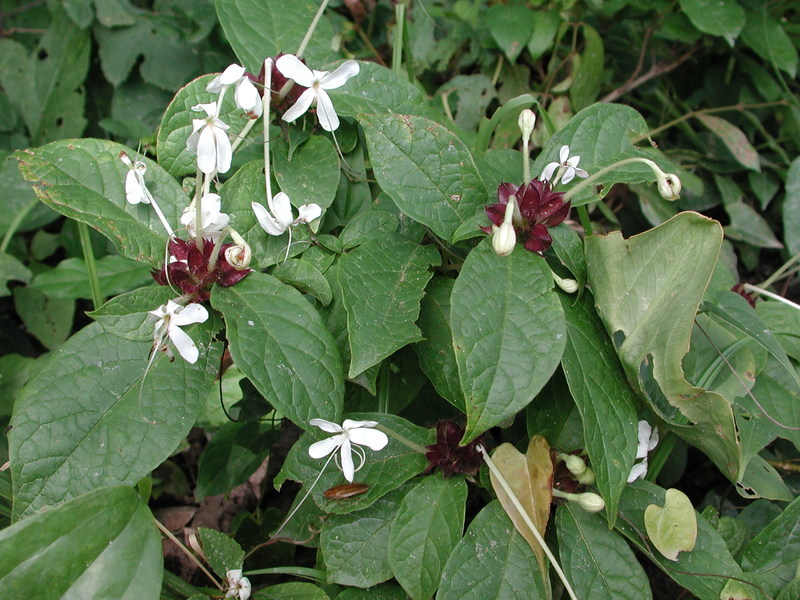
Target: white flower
(348, 434)
(648, 440)
(279, 217)
(246, 95)
(135, 189)
(238, 586)
(214, 221)
(568, 163)
(209, 141)
(316, 82)
(171, 317)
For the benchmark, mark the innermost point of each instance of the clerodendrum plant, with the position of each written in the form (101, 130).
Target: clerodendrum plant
(414, 256)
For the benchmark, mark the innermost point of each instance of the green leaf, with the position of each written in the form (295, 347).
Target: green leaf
(508, 333)
(647, 289)
(69, 280)
(492, 562)
(293, 590)
(424, 533)
(734, 139)
(384, 591)
(436, 355)
(382, 285)
(511, 27)
(305, 277)
(85, 180)
(11, 269)
(176, 126)
(311, 174)
(44, 86)
(747, 225)
(598, 563)
(673, 527)
(427, 171)
(703, 571)
(127, 315)
(545, 27)
(601, 135)
(775, 551)
(48, 319)
(367, 226)
(93, 417)
(603, 397)
(15, 370)
(101, 545)
(18, 196)
(783, 321)
(588, 75)
(222, 552)
(279, 341)
(232, 455)
(767, 38)
(724, 18)
(356, 545)
(791, 209)
(257, 29)
(383, 471)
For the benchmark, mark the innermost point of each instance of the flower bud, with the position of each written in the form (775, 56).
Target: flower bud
(505, 238)
(575, 464)
(586, 478)
(526, 122)
(590, 502)
(239, 256)
(570, 286)
(669, 186)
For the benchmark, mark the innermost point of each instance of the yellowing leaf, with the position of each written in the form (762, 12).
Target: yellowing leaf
(530, 476)
(673, 528)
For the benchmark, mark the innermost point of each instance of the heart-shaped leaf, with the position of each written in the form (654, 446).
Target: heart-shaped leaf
(673, 528)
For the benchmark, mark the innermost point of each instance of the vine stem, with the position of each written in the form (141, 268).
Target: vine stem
(188, 553)
(15, 223)
(779, 273)
(91, 265)
(515, 501)
(311, 28)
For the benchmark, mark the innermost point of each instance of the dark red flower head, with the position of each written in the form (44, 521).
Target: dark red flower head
(189, 270)
(739, 289)
(539, 208)
(448, 456)
(278, 81)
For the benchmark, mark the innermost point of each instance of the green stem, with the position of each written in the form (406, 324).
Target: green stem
(383, 388)
(15, 223)
(311, 29)
(402, 439)
(190, 555)
(777, 274)
(91, 265)
(397, 47)
(315, 574)
(584, 183)
(658, 458)
(586, 222)
(245, 130)
(266, 115)
(768, 294)
(515, 501)
(526, 161)
(176, 585)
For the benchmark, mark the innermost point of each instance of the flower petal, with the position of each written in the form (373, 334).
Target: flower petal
(282, 208)
(229, 76)
(184, 344)
(206, 151)
(339, 77)
(563, 154)
(308, 212)
(192, 313)
(224, 150)
(548, 171)
(374, 439)
(246, 95)
(328, 426)
(350, 424)
(346, 460)
(133, 189)
(326, 446)
(301, 106)
(266, 220)
(210, 108)
(569, 175)
(638, 470)
(326, 114)
(292, 67)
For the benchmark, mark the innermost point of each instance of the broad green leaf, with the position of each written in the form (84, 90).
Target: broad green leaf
(383, 471)
(703, 571)
(791, 208)
(568, 247)
(256, 29)
(356, 545)
(222, 552)
(724, 18)
(508, 333)
(48, 319)
(44, 85)
(747, 225)
(384, 591)
(69, 280)
(11, 269)
(545, 27)
(647, 289)
(85, 180)
(15, 370)
(279, 341)
(492, 562)
(367, 226)
(597, 562)
(18, 196)
(792, 590)
(784, 323)
(554, 416)
(304, 276)
(511, 27)
(232, 455)
(427, 170)
(588, 75)
(775, 551)
(768, 38)
(436, 355)
(95, 416)
(382, 283)
(127, 315)
(293, 590)
(602, 394)
(312, 173)
(101, 545)
(761, 480)
(673, 527)
(424, 533)
(530, 477)
(176, 126)
(734, 139)
(600, 134)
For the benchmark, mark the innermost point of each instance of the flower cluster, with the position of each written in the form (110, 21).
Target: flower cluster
(447, 455)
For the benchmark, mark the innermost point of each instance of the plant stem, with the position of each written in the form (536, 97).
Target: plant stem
(777, 274)
(91, 265)
(15, 223)
(583, 217)
(265, 111)
(397, 42)
(188, 553)
(762, 292)
(383, 387)
(315, 574)
(402, 439)
(311, 29)
(515, 501)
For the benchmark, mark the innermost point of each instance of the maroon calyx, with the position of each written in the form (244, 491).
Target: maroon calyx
(447, 455)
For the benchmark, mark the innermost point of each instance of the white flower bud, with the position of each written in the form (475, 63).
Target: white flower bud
(575, 464)
(570, 286)
(586, 478)
(526, 122)
(590, 502)
(669, 186)
(238, 256)
(504, 237)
